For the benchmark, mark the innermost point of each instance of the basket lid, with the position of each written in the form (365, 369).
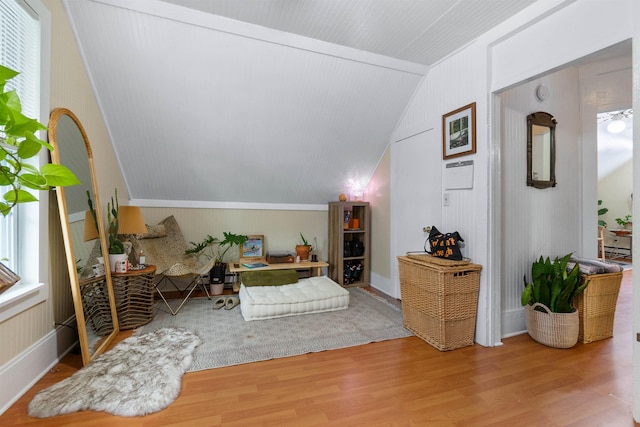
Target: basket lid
(435, 260)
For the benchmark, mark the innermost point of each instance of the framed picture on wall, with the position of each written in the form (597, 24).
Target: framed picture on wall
(459, 132)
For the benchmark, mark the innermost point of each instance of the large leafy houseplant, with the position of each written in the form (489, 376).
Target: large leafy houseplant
(18, 144)
(552, 285)
(211, 247)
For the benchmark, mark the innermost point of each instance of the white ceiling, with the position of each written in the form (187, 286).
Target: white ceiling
(282, 108)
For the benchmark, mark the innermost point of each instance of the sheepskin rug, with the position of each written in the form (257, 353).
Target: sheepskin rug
(140, 375)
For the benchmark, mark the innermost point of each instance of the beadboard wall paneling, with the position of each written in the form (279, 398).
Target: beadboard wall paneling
(281, 228)
(378, 196)
(21, 331)
(538, 222)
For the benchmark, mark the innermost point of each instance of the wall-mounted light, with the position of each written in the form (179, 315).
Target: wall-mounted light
(616, 125)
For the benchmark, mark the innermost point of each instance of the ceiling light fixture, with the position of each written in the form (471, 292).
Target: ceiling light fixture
(616, 125)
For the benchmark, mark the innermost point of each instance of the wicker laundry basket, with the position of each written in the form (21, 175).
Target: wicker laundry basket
(440, 302)
(597, 306)
(558, 330)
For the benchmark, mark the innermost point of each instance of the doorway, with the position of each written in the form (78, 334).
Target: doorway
(615, 182)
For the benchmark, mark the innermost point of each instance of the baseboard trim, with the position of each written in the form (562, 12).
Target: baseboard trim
(23, 371)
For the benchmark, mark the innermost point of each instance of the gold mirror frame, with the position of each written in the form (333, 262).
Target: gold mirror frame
(541, 150)
(95, 309)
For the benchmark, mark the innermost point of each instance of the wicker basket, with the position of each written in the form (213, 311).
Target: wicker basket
(133, 293)
(440, 261)
(439, 304)
(597, 305)
(558, 330)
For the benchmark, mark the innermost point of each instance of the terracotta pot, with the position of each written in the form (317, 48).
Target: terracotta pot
(303, 252)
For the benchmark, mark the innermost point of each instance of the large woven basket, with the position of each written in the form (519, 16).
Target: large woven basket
(439, 303)
(558, 330)
(597, 306)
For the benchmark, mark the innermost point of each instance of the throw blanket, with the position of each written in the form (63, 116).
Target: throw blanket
(593, 266)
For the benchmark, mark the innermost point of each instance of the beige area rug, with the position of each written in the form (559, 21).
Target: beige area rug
(140, 375)
(227, 339)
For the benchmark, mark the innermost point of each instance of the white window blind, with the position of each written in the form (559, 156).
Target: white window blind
(20, 51)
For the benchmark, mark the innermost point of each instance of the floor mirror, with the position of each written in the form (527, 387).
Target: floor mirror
(84, 236)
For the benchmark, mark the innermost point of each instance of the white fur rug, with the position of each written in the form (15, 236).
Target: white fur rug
(140, 375)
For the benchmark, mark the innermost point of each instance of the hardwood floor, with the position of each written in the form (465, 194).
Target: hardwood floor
(403, 382)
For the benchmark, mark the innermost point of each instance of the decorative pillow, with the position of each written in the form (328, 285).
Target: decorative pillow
(269, 278)
(153, 232)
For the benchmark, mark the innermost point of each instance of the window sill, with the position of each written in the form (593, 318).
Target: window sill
(21, 297)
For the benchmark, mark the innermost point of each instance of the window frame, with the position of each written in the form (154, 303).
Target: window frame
(32, 255)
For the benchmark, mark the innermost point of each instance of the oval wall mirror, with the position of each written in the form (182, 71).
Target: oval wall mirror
(84, 237)
(541, 150)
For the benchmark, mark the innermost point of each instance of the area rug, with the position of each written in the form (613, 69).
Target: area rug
(227, 339)
(140, 375)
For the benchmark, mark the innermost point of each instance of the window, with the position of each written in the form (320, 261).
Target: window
(25, 27)
(20, 51)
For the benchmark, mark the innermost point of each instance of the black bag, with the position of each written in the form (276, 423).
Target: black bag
(444, 245)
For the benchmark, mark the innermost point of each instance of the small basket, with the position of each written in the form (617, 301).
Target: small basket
(439, 304)
(558, 330)
(597, 306)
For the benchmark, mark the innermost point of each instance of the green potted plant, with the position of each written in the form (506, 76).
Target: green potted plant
(20, 144)
(625, 222)
(302, 250)
(213, 248)
(602, 211)
(115, 246)
(551, 317)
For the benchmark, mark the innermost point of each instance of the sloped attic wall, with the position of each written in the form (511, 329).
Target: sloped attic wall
(204, 111)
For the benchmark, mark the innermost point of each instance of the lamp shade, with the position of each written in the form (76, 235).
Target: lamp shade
(130, 220)
(90, 230)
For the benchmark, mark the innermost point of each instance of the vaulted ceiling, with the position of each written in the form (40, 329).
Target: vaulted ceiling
(272, 102)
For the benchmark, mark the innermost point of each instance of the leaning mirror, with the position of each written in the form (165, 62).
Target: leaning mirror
(541, 150)
(83, 236)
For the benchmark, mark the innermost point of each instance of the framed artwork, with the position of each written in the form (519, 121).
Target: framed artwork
(253, 248)
(459, 132)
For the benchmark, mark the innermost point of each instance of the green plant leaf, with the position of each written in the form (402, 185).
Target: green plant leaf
(29, 147)
(33, 181)
(526, 294)
(19, 196)
(59, 175)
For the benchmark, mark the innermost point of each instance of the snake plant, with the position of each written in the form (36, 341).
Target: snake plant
(552, 285)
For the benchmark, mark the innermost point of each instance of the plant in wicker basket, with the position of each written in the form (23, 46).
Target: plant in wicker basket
(551, 317)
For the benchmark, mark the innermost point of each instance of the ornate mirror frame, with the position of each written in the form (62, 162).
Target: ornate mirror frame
(541, 150)
(92, 291)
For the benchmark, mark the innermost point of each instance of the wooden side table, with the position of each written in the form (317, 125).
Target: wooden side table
(133, 293)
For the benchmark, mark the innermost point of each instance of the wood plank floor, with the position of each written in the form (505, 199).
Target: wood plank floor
(403, 382)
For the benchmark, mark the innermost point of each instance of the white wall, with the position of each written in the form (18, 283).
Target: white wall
(544, 37)
(537, 222)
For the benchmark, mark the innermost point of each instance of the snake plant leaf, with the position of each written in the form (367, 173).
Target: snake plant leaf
(526, 294)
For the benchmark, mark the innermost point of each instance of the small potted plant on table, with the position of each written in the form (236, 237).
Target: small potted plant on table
(304, 249)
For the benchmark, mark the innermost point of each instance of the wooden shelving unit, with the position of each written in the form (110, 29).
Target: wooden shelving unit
(349, 222)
